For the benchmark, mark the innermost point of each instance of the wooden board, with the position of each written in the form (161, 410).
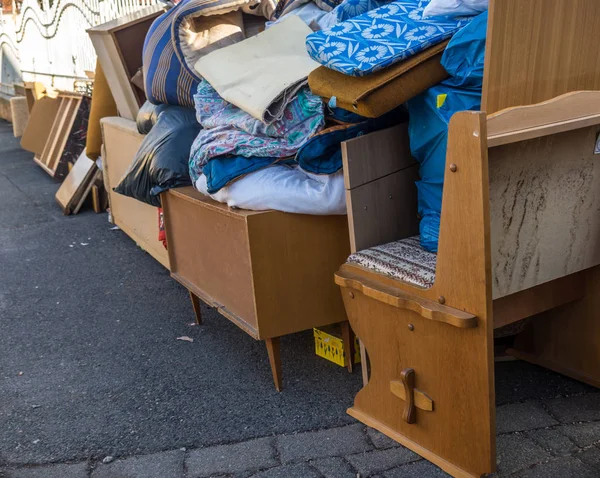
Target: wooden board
(39, 125)
(375, 155)
(137, 219)
(76, 183)
(539, 49)
(383, 210)
(59, 133)
(118, 44)
(566, 339)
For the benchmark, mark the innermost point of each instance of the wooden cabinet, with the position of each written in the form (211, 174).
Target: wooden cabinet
(269, 272)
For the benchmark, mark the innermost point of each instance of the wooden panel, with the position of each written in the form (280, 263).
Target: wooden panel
(137, 219)
(544, 209)
(210, 252)
(384, 210)
(59, 134)
(565, 113)
(526, 303)
(375, 155)
(539, 49)
(39, 125)
(118, 59)
(294, 257)
(76, 183)
(566, 339)
(453, 366)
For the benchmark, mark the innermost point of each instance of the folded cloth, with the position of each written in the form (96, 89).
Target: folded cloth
(380, 92)
(380, 38)
(229, 131)
(261, 74)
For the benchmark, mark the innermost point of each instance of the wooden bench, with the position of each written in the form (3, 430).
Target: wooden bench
(269, 272)
(519, 238)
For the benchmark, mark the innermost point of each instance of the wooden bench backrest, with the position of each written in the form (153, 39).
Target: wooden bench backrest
(540, 49)
(544, 191)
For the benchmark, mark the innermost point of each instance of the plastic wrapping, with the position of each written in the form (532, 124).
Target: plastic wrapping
(161, 163)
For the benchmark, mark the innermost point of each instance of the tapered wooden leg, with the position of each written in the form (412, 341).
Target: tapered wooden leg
(275, 361)
(196, 306)
(348, 339)
(363, 363)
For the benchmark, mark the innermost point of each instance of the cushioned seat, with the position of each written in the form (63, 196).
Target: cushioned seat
(407, 261)
(404, 260)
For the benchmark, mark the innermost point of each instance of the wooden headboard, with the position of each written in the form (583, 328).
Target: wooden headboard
(539, 49)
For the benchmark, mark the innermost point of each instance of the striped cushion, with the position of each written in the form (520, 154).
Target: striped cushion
(404, 260)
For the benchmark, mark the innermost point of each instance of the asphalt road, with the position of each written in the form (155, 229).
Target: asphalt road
(90, 364)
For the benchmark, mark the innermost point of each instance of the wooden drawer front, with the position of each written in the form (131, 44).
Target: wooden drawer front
(210, 254)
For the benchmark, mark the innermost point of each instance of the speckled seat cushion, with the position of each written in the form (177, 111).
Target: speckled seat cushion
(407, 261)
(404, 260)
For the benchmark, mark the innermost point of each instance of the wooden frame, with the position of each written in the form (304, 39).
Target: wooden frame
(452, 363)
(138, 220)
(50, 158)
(39, 126)
(119, 45)
(268, 272)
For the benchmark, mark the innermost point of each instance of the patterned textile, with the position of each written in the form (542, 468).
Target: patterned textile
(351, 8)
(379, 38)
(165, 79)
(404, 260)
(229, 131)
(168, 78)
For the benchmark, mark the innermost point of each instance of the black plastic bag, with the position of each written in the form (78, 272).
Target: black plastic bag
(162, 160)
(147, 116)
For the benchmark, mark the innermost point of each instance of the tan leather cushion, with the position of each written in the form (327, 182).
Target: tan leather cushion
(103, 105)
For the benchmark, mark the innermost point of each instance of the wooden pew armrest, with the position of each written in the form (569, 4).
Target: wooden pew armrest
(426, 308)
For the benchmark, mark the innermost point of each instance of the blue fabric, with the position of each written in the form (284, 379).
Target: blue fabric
(165, 80)
(430, 113)
(381, 37)
(351, 8)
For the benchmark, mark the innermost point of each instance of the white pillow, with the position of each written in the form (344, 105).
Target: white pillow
(454, 8)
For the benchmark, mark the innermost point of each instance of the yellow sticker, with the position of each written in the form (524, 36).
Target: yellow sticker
(441, 99)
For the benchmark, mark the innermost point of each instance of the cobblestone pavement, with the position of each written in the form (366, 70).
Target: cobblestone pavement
(99, 372)
(557, 437)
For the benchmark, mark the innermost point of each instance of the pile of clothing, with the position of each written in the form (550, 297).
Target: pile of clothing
(275, 87)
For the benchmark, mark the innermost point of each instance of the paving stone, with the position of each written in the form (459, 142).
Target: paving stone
(381, 460)
(239, 457)
(583, 434)
(590, 456)
(554, 441)
(420, 469)
(301, 470)
(380, 440)
(560, 468)
(522, 416)
(334, 467)
(157, 465)
(584, 408)
(325, 443)
(515, 452)
(77, 470)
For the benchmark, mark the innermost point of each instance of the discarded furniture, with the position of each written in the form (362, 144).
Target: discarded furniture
(269, 272)
(119, 44)
(39, 126)
(77, 185)
(138, 220)
(519, 238)
(19, 114)
(62, 144)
